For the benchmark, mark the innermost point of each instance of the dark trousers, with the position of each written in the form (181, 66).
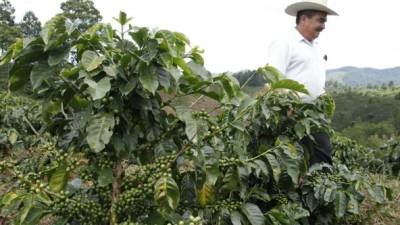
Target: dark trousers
(319, 149)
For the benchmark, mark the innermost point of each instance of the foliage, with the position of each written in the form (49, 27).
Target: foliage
(3, 77)
(30, 25)
(369, 116)
(126, 148)
(348, 152)
(7, 13)
(250, 76)
(83, 11)
(383, 160)
(7, 25)
(390, 152)
(20, 121)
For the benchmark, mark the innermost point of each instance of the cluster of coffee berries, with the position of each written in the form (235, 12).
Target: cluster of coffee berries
(60, 156)
(6, 165)
(315, 178)
(105, 163)
(79, 209)
(282, 199)
(131, 205)
(30, 182)
(216, 130)
(336, 178)
(191, 221)
(201, 114)
(102, 192)
(86, 175)
(154, 171)
(226, 162)
(129, 223)
(230, 205)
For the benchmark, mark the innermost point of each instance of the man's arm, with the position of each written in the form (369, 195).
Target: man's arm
(278, 55)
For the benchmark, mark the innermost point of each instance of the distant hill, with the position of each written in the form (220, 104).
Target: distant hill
(354, 76)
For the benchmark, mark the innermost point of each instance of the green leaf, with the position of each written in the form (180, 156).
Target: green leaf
(275, 166)
(19, 76)
(269, 73)
(91, 60)
(56, 56)
(299, 130)
(253, 214)
(149, 79)
(128, 86)
(340, 204)
(122, 18)
(33, 216)
(13, 137)
(111, 70)
(58, 179)
(295, 211)
(377, 192)
(99, 131)
(9, 198)
(40, 72)
(71, 26)
(293, 170)
(329, 195)
(261, 167)
(155, 218)
(238, 125)
(236, 218)
(28, 204)
(50, 109)
(260, 194)
(206, 194)
(140, 36)
(182, 37)
(150, 51)
(199, 70)
(353, 205)
(105, 177)
(54, 32)
(191, 129)
(290, 85)
(211, 164)
(70, 73)
(98, 89)
(175, 73)
(231, 180)
(182, 64)
(166, 192)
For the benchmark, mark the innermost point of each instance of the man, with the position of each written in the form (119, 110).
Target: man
(298, 58)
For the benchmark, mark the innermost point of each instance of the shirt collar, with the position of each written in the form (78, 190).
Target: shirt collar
(298, 37)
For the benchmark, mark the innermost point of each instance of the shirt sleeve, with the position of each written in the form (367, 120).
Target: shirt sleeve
(278, 55)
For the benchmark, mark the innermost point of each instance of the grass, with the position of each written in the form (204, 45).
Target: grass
(384, 214)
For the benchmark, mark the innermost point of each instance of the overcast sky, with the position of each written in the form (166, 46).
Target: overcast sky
(235, 34)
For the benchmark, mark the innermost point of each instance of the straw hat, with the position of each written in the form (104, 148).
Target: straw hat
(320, 5)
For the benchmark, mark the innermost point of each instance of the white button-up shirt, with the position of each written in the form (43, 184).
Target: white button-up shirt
(299, 59)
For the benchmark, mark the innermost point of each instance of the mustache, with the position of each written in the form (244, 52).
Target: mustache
(319, 29)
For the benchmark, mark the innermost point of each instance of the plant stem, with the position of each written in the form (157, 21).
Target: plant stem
(264, 153)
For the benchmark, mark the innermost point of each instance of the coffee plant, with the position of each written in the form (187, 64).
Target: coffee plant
(121, 144)
(390, 155)
(352, 154)
(384, 160)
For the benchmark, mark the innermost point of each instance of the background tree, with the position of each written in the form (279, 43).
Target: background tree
(7, 25)
(7, 13)
(83, 10)
(30, 25)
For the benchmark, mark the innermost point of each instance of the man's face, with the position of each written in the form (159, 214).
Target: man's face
(315, 24)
